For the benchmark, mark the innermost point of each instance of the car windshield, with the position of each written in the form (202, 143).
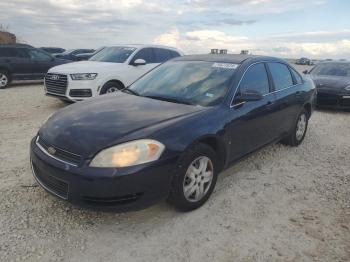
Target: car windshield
(115, 54)
(332, 69)
(189, 82)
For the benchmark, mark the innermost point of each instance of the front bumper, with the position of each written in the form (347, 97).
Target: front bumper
(331, 100)
(75, 90)
(106, 189)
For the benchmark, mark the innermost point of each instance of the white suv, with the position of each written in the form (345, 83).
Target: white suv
(110, 70)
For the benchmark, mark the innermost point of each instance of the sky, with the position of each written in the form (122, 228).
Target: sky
(318, 29)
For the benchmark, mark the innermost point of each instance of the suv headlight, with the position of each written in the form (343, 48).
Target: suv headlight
(129, 154)
(83, 76)
(347, 88)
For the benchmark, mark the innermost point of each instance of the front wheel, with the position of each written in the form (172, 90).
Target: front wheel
(298, 133)
(195, 178)
(4, 79)
(111, 87)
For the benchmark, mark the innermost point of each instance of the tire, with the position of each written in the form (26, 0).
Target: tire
(111, 87)
(5, 79)
(297, 135)
(188, 173)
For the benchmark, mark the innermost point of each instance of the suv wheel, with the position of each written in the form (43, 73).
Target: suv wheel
(111, 87)
(4, 79)
(195, 178)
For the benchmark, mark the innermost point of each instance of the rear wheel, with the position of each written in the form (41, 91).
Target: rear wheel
(298, 133)
(111, 87)
(195, 178)
(4, 79)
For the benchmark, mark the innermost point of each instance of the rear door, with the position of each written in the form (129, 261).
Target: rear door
(19, 62)
(287, 104)
(253, 125)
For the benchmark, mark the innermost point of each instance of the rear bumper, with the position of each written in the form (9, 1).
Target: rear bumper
(336, 101)
(106, 189)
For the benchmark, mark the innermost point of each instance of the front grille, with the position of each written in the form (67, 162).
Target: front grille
(112, 201)
(55, 186)
(59, 153)
(80, 93)
(56, 83)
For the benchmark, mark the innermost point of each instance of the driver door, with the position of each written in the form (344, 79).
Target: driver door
(137, 71)
(253, 125)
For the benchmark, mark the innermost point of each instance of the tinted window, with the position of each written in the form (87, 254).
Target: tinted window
(332, 69)
(281, 75)
(297, 77)
(255, 79)
(7, 52)
(38, 55)
(113, 54)
(145, 54)
(193, 82)
(161, 55)
(173, 54)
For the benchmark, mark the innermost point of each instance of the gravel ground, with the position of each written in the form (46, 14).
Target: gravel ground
(280, 204)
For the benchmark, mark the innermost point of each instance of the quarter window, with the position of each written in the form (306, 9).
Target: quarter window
(255, 79)
(297, 77)
(281, 75)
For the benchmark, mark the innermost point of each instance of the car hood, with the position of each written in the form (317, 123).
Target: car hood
(86, 67)
(331, 83)
(87, 127)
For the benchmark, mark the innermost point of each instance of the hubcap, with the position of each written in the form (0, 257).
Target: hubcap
(301, 127)
(198, 179)
(3, 80)
(112, 89)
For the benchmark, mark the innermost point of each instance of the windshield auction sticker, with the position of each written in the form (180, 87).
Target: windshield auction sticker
(225, 65)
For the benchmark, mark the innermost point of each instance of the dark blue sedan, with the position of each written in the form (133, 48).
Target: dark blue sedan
(172, 132)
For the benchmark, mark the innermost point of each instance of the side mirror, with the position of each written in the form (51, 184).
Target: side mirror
(139, 62)
(305, 72)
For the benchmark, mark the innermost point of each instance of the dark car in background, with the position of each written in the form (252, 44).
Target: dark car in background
(304, 61)
(87, 56)
(71, 54)
(24, 62)
(332, 80)
(170, 133)
(53, 50)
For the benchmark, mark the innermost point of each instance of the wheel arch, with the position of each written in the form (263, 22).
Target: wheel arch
(110, 81)
(308, 108)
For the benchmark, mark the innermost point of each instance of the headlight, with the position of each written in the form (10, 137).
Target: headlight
(83, 76)
(129, 154)
(347, 88)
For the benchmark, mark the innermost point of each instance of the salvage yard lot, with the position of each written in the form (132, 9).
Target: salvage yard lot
(280, 204)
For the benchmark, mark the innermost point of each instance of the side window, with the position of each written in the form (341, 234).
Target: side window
(38, 55)
(145, 54)
(7, 52)
(174, 54)
(255, 79)
(297, 76)
(161, 55)
(281, 75)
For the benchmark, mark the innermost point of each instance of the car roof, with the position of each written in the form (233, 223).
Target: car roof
(15, 45)
(226, 58)
(146, 45)
(333, 62)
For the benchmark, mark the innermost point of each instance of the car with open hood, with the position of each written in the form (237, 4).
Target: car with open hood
(171, 133)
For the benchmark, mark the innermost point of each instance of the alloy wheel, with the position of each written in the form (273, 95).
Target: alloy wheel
(301, 127)
(3, 80)
(112, 89)
(198, 179)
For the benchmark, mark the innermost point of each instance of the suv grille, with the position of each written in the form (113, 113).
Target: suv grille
(56, 83)
(58, 153)
(55, 186)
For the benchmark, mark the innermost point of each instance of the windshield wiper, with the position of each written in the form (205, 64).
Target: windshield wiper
(128, 90)
(169, 99)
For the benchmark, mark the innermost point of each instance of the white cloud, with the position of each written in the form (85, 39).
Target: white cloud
(201, 41)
